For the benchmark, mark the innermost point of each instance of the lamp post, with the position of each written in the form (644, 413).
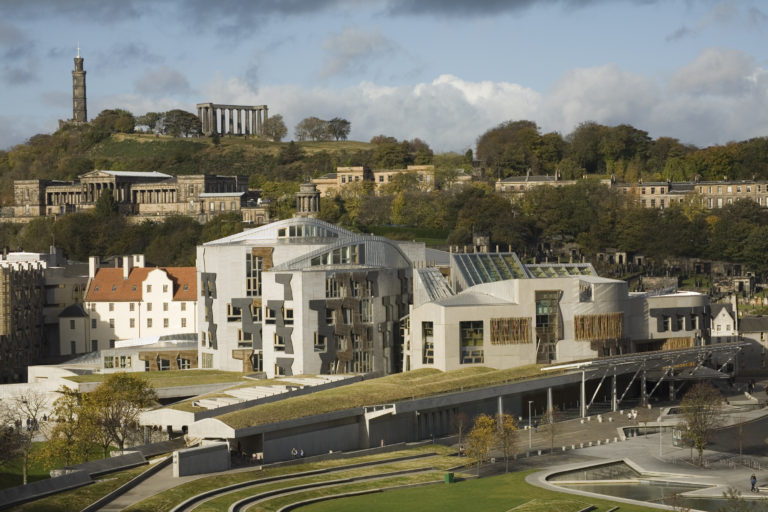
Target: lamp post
(529, 423)
(660, 432)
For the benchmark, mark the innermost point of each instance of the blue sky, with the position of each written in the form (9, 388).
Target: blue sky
(441, 70)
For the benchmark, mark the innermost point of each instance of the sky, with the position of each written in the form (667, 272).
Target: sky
(445, 71)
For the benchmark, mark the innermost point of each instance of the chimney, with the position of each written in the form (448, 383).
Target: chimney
(138, 260)
(127, 266)
(93, 266)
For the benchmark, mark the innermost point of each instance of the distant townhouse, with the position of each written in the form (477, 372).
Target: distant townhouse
(516, 186)
(132, 302)
(334, 183)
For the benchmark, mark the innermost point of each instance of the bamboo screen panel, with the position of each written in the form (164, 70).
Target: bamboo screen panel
(598, 327)
(509, 331)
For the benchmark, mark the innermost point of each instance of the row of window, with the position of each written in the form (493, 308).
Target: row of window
(148, 288)
(131, 323)
(334, 289)
(679, 323)
(132, 306)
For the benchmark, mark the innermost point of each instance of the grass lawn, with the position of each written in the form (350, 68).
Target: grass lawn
(173, 378)
(77, 499)
(11, 473)
(166, 500)
(494, 494)
(392, 388)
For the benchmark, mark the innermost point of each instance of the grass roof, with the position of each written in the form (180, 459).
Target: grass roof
(392, 388)
(171, 378)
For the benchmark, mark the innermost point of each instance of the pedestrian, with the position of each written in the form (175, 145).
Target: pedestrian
(294, 452)
(629, 415)
(634, 414)
(301, 453)
(753, 483)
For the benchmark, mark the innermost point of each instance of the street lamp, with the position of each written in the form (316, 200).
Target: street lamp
(529, 423)
(660, 432)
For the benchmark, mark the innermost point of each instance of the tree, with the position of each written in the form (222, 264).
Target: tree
(105, 205)
(702, 413)
(114, 121)
(274, 128)
(69, 432)
(338, 128)
(481, 438)
(506, 435)
(149, 120)
(25, 411)
(180, 123)
(550, 422)
(117, 403)
(312, 128)
(460, 423)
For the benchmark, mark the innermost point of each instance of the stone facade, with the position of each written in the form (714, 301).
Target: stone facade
(232, 119)
(140, 195)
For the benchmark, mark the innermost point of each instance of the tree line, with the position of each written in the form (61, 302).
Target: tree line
(626, 152)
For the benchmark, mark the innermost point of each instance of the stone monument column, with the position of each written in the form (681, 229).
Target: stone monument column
(79, 110)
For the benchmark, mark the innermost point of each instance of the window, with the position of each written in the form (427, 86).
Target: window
(93, 323)
(163, 364)
(279, 371)
(244, 339)
(94, 345)
(165, 323)
(149, 288)
(184, 364)
(132, 323)
(114, 287)
(124, 362)
(666, 323)
(165, 288)
(679, 322)
(131, 306)
(269, 316)
(72, 347)
(253, 275)
(234, 313)
(288, 313)
(71, 324)
(331, 288)
(346, 315)
(183, 322)
(471, 342)
(111, 323)
(366, 311)
(111, 306)
(149, 306)
(279, 343)
(207, 360)
(693, 322)
(320, 341)
(149, 322)
(428, 342)
(184, 304)
(329, 320)
(165, 306)
(255, 312)
(109, 362)
(111, 343)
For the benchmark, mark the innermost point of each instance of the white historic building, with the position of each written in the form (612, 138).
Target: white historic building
(302, 296)
(501, 313)
(129, 303)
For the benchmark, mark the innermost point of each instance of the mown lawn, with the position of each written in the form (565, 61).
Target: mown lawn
(494, 494)
(392, 388)
(173, 378)
(38, 469)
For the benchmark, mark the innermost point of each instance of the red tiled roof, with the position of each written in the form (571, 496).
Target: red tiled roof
(109, 286)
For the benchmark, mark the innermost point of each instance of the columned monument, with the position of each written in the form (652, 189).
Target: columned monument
(232, 119)
(79, 110)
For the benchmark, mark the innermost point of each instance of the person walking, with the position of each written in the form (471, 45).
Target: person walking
(753, 482)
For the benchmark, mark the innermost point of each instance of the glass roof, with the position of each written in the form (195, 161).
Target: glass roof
(477, 268)
(561, 269)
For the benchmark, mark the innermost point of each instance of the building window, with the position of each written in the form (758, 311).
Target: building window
(149, 306)
(184, 364)
(149, 288)
(269, 316)
(288, 316)
(165, 288)
(131, 306)
(71, 324)
(183, 322)
(165, 306)
(679, 319)
(132, 322)
(253, 275)
(428, 342)
(279, 343)
(366, 311)
(666, 323)
(111, 343)
(471, 342)
(331, 288)
(693, 322)
(184, 305)
(93, 323)
(255, 312)
(111, 306)
(320, 341)
(279, 371)
(165, 323)
(207, 360)
(94, 345)
(163, 364)
(234, 313)
(111, 323)
(149, 322)
(329, 318)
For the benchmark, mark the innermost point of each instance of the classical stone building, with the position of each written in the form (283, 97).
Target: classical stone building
(335, 182)
(232, 119)
(141, 195)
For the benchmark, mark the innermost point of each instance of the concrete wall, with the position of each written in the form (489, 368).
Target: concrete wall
(342, 434)
(23, 493)
(206, 459)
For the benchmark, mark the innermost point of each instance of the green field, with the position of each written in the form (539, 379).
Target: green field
(494, 494)
(172, 378)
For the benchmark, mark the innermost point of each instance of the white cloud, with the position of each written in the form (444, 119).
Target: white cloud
(162, 80)
(352, 50)
(715, 71)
